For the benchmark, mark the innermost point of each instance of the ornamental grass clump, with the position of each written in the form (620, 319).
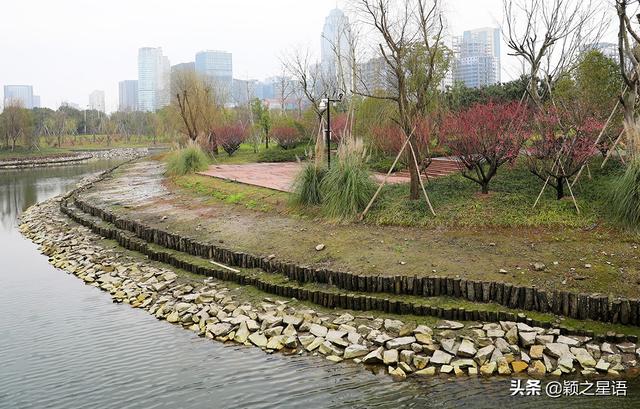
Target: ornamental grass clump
(187, 160)
(306, 187)
(347, 186)
(626, 190)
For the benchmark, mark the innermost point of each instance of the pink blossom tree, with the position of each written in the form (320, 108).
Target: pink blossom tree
(563, 141)
(286, 136)
(485, 137)
(231, 136)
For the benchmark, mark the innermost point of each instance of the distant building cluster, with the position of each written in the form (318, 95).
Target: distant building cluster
(474, 61)
(20, 95)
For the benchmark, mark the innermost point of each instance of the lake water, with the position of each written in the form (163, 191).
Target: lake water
(66, 345)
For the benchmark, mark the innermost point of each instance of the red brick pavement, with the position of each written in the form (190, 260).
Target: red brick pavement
(280, 176)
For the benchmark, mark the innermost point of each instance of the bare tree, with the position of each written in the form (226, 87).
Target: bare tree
(409, 38)
(629, 58)
(285, 89)
(549, 35)
(309, 77)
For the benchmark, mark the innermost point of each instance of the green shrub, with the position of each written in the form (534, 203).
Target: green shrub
(306, 187)
(187, 160)
(626, 196)
(383, 163)
(278, 154)
(347, 187)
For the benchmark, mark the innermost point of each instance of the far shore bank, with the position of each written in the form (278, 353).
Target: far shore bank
(62, 158)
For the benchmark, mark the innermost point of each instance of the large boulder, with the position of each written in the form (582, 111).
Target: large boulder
(467, 349)
(355, 351)
(440, 357)
(374, 356)
(400, 343)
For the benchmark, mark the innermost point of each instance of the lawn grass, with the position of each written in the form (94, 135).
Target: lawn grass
(458, 201)
(219, 190)
(74, 144)
(23, 153)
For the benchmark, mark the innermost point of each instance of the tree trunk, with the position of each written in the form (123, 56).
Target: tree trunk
(266, 140)
(484, 187)
(560, 188)
(214, 143)
(414, 173)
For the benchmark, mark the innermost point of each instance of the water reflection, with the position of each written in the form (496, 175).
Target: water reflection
(19, 188)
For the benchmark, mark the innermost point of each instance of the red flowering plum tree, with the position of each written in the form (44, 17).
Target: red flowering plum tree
(561, 144)
(485, 137)
(231, 136)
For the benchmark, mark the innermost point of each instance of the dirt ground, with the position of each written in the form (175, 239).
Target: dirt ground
(596, 260)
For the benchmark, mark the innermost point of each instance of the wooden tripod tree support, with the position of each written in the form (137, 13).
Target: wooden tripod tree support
(393, 165)
(615, 145)
(546, 182)
(606, 124)
(384, 181)
(424, 191)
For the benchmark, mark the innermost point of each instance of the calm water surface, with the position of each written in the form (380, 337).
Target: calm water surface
(66, 345)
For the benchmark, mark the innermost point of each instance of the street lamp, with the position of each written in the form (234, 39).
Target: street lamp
(325, 104)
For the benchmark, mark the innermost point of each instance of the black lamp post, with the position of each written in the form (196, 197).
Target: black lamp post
(325, 104)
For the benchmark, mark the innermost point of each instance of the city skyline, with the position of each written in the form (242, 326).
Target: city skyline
(257, 40)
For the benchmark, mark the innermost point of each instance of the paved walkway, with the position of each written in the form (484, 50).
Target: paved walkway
(278, 176)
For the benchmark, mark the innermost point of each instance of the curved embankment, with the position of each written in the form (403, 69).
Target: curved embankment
(211, 310)
(62, 159)
(53, 160)
(597, 307)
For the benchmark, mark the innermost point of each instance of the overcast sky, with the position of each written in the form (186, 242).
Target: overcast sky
(68, 48)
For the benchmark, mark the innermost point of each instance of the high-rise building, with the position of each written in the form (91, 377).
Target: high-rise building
(154, 71)
(335, 51)
(217, 67)
(36, 101)
(96, 100)
(128, 95)
(244, 91)
(609, 50)
(18, 95)
(477, 57)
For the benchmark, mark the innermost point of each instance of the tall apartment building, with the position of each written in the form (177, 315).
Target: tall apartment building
(154, 85)
(96, 100)
(609, 50)
(18, 94)
(477, 57)
(217, 67)
(335, 51)
(128, 95)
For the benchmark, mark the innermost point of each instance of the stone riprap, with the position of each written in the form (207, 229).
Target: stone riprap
(213, 310)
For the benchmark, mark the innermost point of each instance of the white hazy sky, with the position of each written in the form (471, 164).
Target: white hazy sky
(68, 48)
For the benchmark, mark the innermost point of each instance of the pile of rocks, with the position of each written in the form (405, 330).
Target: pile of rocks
(212, 310)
